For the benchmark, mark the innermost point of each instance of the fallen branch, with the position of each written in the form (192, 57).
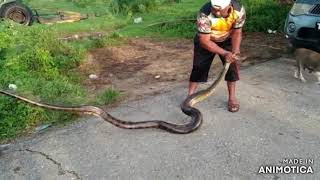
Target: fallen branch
(60, 17)
(81, 36)
(172, 21)
(271, 47)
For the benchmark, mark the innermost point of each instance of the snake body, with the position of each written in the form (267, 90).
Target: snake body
(187, 107)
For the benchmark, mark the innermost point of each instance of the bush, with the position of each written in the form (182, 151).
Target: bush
(264, 15)
(132, 6)
(88, 3)
(181, 29)
(261, 16)
(34, 60)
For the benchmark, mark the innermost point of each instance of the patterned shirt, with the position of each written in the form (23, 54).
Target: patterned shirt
(219, 27)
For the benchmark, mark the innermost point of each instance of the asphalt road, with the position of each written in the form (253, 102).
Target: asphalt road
(279, 119)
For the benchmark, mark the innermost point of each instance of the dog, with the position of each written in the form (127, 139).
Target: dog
(307, 59)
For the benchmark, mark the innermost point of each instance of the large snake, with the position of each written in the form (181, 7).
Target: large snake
(187, 107)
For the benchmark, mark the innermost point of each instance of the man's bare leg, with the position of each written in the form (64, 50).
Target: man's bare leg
(232, 94)
(192, 87)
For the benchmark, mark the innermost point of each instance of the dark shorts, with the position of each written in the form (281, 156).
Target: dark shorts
(202, 62)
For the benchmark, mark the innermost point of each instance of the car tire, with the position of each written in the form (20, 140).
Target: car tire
(18, 13)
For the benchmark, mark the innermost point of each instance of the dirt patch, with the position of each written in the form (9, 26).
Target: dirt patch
(260, 47)
(140, 67)
(149, 66)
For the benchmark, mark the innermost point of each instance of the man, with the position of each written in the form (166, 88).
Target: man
(219, 24)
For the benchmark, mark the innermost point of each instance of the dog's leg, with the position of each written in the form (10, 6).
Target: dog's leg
(300, 67)
(317, 74)
(296, 73)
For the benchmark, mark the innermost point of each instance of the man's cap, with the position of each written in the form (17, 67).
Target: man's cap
(220, 3)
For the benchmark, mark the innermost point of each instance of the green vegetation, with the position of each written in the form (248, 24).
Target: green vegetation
(39, 64)
(108, 96)
(263, 15)
(83, 6)
(43, 68)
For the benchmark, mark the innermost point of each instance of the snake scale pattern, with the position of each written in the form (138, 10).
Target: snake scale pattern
(187, 107)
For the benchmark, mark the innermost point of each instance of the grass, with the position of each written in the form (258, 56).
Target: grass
(107, 96)
(261, 15)
(83, 6)
(98, 24)
(35, 61)
(44, 68)
(185, 9)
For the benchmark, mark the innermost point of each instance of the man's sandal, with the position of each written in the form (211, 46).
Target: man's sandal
(233, 107)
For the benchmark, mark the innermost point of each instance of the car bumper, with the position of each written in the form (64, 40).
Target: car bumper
(304, 32)
(304, 44)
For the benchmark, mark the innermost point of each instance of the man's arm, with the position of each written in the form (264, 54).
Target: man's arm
(236, 38)
(236, 35)
(211, 46)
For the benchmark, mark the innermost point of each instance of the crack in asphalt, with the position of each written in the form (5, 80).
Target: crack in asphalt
(60, 169)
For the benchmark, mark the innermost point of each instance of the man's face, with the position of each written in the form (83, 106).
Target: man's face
(218, 12)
